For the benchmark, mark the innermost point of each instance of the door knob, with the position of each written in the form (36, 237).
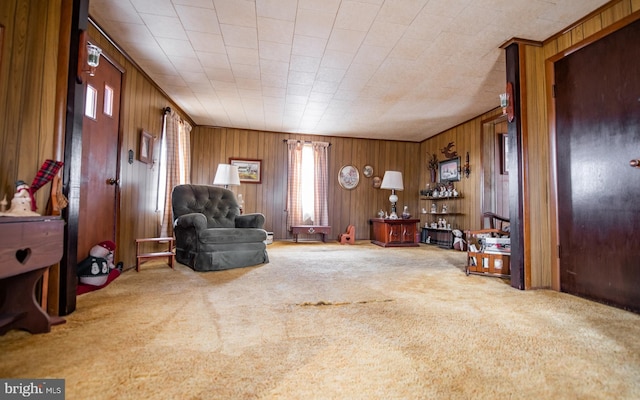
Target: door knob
(112, 181)
(635, 163)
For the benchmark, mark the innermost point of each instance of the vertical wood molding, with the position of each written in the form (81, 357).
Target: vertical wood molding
(73, 160)
(517, 170)
(554, 238)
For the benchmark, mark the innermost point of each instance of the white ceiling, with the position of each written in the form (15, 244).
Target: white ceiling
(381, 69)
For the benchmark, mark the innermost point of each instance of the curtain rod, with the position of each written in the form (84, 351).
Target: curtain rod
(303, 141)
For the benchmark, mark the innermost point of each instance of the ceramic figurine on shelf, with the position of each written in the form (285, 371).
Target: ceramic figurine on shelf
(381, 214)
(444, 208)
(434, 208)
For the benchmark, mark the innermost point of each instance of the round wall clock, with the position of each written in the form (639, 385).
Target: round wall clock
(367, 171)
(348, 177)
(376, 182)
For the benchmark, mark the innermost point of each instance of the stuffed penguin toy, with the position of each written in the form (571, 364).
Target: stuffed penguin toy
(94, 270)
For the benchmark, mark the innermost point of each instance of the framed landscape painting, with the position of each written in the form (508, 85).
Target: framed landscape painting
(250, 171)
(450, 170)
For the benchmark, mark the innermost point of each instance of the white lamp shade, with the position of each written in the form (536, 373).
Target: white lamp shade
(392, 180)
(227, 175)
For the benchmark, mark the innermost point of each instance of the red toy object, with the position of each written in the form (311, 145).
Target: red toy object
(84, 288)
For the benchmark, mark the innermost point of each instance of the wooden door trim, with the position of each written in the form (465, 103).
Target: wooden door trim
(73, 159)
(523, 169)
(551, 119)
(518, 191)
(596, 36)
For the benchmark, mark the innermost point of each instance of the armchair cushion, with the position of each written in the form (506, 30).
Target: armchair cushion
(210, 232)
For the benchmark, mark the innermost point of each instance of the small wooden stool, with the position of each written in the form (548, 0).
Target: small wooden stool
(349, 237)
(143, 256)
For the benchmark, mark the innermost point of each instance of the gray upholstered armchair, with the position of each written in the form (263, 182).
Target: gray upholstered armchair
(210, 232)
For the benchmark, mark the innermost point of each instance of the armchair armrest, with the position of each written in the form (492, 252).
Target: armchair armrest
(194, 220)
(255, 220)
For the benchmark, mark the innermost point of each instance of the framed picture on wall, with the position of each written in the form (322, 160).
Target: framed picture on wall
(146, 147)
(250, 171)
(449, 170)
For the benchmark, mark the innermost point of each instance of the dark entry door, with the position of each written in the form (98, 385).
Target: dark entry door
(99, 190)
(598, 133)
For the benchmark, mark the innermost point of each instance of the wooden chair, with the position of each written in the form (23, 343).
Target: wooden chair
(349, 237)
(495, 221)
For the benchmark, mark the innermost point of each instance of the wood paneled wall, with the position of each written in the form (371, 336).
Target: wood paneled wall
(212, 145)
(467, 138)
(27, 91)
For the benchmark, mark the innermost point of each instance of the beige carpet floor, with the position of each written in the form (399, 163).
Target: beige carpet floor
(325, 321)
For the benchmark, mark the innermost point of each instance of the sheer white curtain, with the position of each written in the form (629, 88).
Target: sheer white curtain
(295, 175)
(175, 166)
(321, 182)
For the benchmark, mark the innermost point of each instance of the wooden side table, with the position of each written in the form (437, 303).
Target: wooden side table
(28, 247)
(140, 257)
(394, 232)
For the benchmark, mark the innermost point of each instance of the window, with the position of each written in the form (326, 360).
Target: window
(91, 102)
(108, 101)
(307, 183)
(174, 162)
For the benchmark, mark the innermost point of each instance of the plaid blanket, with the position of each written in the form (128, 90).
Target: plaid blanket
(47, 171)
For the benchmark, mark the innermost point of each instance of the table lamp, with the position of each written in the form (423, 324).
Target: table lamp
(226, 175)
(392, 180)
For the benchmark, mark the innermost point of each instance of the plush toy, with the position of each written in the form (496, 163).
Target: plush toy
(458, 241)
(94, 270)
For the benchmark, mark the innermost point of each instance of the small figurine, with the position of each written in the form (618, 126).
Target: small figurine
(444, 208)
(405, 213)
(21, 202)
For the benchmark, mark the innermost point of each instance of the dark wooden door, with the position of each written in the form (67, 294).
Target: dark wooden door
(598, 133)
(98, 193)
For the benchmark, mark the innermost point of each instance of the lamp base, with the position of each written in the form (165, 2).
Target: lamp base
(393, 215)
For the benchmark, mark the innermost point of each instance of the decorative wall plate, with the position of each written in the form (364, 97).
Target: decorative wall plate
(367, 171)
(376, 182)
(348, 177)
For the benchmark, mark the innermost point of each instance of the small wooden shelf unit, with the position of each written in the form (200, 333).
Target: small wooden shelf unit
(140, 257)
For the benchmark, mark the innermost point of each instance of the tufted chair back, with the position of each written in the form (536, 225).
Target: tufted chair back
(218, 204)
